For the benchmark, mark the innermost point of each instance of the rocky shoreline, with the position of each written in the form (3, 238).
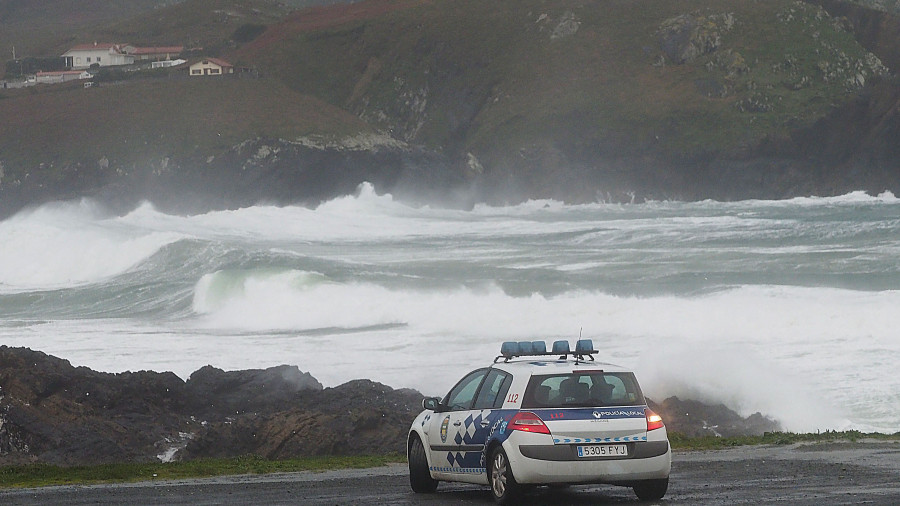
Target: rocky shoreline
(54, 413)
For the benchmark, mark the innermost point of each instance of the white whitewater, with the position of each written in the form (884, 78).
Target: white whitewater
(782, 307)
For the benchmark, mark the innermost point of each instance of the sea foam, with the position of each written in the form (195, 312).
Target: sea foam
(779, 307)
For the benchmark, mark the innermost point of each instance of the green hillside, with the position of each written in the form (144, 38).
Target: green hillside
(581, 77)
(883, 5)
(206, 24)
(37, 27)
(140, 122)
(42, 28)
(570, 99)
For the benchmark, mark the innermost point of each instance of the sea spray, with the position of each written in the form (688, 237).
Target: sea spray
(780, 307)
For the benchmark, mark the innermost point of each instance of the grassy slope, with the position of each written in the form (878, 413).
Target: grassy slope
(205, 24)
(884, 5)
(596, 91)
(132, 122)
(38, 27)
(42, 28)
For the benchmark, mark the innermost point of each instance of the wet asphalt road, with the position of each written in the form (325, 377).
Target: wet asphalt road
(833, 473)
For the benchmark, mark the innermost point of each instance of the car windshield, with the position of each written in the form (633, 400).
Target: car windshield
(583, 389)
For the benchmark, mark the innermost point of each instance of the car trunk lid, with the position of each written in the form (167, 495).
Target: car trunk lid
(595, 425)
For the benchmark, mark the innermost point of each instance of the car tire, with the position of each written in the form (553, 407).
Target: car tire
(651, 490)
(419, 476)
(504, 488)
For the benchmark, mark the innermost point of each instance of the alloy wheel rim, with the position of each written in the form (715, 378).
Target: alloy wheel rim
(498, 475)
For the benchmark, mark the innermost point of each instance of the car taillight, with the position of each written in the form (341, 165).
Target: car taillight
(654, 421)
(527, 421)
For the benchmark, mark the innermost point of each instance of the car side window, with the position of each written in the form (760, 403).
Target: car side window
(495, 386)
(463, 394)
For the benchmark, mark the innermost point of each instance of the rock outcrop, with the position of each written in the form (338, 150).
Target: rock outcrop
(305, 171)
(685, 37)
(54, 413)
(695, 419)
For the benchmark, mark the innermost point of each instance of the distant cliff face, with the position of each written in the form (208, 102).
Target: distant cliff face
(600, 100)
(875, 24)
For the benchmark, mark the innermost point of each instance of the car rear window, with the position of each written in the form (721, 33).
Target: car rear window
(583, 389)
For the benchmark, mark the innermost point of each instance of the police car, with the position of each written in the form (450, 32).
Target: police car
(535, 417)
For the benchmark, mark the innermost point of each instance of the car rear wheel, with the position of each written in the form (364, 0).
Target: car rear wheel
(419, 477)
(504, 488)
(651, 490)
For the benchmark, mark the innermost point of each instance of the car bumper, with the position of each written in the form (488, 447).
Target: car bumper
(543, 464)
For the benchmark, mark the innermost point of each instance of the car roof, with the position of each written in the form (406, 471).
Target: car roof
(545, 366)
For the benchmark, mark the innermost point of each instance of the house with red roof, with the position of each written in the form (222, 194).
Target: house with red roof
(154, 53)
(102, 54)
(211, 67)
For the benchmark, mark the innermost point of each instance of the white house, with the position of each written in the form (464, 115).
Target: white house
(211, 67)
(104, 55)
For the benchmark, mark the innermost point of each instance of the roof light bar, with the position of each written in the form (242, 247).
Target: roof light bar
(584, 346)
(561, 347)
(512, 349)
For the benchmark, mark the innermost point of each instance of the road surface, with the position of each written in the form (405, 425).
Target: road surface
(824, 473)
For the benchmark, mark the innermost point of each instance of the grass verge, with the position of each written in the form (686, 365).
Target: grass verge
(39, 475)
(682, 442)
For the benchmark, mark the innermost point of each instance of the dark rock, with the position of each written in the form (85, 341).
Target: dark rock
(217, 392)
(693, 418)
(685, 37)
(358, 417)
(54, 413)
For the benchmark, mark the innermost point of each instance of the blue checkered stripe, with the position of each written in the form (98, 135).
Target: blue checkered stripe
(472, 432)
(599, 439)
(462, 462)
(459, 470)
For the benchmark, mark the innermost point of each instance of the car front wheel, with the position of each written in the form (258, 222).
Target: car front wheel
(419, 477)
(504, 488)
(651, 490)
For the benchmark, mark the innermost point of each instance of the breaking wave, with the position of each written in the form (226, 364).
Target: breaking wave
(780, 307)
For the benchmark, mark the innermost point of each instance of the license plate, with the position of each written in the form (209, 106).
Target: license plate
(603, 451)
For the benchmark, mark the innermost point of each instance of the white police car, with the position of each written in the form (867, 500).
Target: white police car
(541, 418)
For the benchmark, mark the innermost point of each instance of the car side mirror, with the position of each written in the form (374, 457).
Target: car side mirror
(432, 403)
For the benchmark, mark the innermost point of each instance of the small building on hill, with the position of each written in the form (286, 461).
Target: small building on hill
(211, 67)
(61, 76)
(103, 55)
(154, 53)
(161, 64)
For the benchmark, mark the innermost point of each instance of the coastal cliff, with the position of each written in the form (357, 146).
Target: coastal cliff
(461, 102)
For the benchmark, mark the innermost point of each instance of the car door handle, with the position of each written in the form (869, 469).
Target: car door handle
(485, 423)
(457, 423)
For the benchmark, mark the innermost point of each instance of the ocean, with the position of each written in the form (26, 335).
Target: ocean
(787, 308)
